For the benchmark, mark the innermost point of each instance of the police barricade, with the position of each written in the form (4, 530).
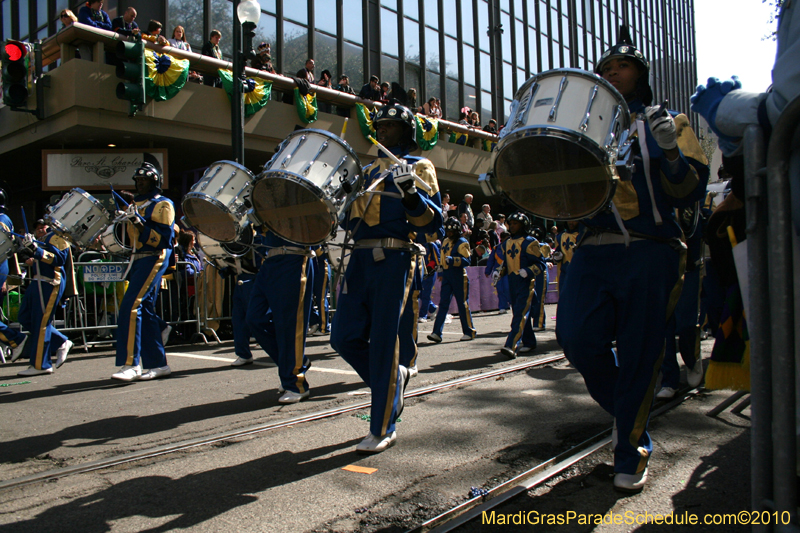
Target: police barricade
(215, 301)
(100, 286)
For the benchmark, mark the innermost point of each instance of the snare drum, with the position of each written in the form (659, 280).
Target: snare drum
(557, 156)
(216, 203)
(116, 240)
(78, 217)
(306, 188)
(220, 253)
(7, 246)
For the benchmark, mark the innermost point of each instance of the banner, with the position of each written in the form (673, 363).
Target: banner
(488, 145)
(427, 132)
(459, 138)
(256, 92)
(365, 116)
(166, 75)
(306, 106)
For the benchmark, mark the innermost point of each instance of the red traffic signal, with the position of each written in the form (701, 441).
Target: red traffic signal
(15, 50)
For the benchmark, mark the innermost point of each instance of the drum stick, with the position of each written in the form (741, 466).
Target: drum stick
(117, 197)
(23, 236)
(344, 127)
(397, 161)
(24, 220)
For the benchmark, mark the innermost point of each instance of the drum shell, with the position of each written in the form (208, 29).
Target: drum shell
(305, 189)
(7, 245)
(221, 253)
(556, 157)
(116, 240)
(78, 217)
(216, 205)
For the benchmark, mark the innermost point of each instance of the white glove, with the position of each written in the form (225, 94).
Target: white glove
(523, 273)
(439, 269)
(133, 214)
(403, 176)
(29, 242)
(558, 256)
(662, 128)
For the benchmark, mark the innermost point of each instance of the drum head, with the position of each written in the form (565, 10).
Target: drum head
(292, 209)
(553, 177)
(210, 217)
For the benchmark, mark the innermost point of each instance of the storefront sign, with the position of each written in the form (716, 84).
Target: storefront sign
(95, 169)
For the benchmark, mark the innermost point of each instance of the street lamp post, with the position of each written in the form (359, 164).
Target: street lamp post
(247, 14)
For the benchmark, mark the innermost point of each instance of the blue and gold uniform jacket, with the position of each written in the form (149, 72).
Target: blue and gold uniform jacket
(386, 216)
(51, 257)
(521, 253)
(566, 242)
(158, 216)
(677, 184)
(459, 250)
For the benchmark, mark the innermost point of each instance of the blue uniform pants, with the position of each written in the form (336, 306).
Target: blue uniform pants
(455, 283)
(503, 296)
(523, 299)
(426, 306)
(241, 300)
(278, 313)
(319, 312)
(139, 327)
(627, 295)
(366, 327)
(683, 324)
(44, 339)
(538, 317)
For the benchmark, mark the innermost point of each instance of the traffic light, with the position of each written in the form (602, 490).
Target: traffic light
(16, 61)
(132, 68)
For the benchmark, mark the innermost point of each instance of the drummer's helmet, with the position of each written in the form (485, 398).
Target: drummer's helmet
(452, 224)
(150, 171)
(396, 112)
(3, 198)
(523, 219)
(625, 48)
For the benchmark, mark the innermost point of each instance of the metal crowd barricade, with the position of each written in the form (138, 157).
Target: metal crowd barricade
(771, 318)
(216, 302)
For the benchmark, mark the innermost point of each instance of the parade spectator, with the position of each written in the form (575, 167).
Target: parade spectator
(465, 207)
(154, 32)
(92, 14)
(211, 49)
(494, 235)
(446, 206)
(344, 86)
(67, 17)
(325, 81)
(371, 91)
(385, 90)
(501, 225)
(465, 228)
(179, 39)
(126, 24)
(307, 72)
(485, 215)
(263, 59)
(491, 127)
(475, 119)
(412, 101)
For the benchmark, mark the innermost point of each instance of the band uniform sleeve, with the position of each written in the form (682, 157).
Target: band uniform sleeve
(462, 256)
(157, 230)
(427, 215)
(534, 252)
(685, 182)
(55, 251)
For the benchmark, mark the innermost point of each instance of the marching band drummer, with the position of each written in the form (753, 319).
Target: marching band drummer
(626, 273)
(245, 268)
(379, 277)
(151, 219)
(279, 310)
(9, 336)
(50, 270)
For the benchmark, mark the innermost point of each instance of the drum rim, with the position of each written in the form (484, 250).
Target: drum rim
(330, 135)
(578, 72)
(228, 162)
(216, 203)
(111, 230)
(62, 230)
(559, 132)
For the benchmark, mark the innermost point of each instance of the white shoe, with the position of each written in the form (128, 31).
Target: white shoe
(695, 375)
(630, 482)
(467, 337)
(372, 444)
(165, 335)
(412, 371)
(434, 337)
(503, 312)
(448, 319)
(293, 397)
(422, 320)
(524, 349)
(155, 373)
(241, 361)
(313, 329)
(404, 377)
(128, 373)
(666, 393)
(33, 371)
(62, 352)
(16, 352)
(508, 352)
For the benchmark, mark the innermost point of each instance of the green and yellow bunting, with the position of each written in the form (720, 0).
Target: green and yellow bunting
(427, 132)
(488, 145)
(365, 116)
(306, 106)
(166, 75)
(459, 138)
(256, 92)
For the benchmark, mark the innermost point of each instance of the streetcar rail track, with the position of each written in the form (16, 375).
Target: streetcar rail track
(140, 455)
(471, 509)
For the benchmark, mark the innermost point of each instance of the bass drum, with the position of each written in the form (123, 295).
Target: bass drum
(557, 156)
(115, 239)
(78, 217)
(216, 203)
(306, 188)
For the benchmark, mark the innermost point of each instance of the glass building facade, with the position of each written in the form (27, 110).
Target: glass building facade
(468, 53)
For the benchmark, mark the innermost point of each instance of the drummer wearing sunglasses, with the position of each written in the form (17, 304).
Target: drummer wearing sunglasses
(627, 271)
